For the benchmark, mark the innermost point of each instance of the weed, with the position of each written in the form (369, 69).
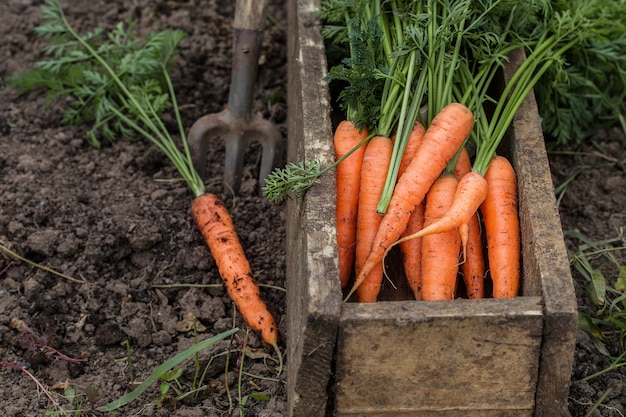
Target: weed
(167, 383)
(15, 256)
(40, 386)
(606, 295)
(35, 343)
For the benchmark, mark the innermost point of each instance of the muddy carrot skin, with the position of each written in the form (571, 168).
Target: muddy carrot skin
(502, 229)
(215, 223)
(348, 179)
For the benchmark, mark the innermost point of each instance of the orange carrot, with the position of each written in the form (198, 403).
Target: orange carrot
(473, 261)
(463, 164)
(412, 249)
(473, 258)
(415, 140)
(216, 225)
(348, 178)
(440, 251)
(412, 252)
(470, 193)
(442, 140)
(500, 217)
(373, 173)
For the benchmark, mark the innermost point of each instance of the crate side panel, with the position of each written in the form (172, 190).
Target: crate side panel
(313, 293)
(435, 356)
(544, 254)
(447, 413)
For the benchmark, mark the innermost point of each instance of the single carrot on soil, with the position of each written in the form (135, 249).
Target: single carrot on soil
(348, 178)
(500, 217)
(373, 173)
(440, 251)
(216, 225)
(442, 140)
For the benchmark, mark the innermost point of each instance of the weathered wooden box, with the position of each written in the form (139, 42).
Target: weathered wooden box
(466, 358)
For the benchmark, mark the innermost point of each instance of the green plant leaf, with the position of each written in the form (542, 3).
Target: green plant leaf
(260, 396)
(70, 395)
(172, 375)
(598, 287)
(164, 368)
(620, 284)
(586, 324)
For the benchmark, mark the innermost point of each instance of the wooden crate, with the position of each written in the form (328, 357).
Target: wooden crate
(406, 358)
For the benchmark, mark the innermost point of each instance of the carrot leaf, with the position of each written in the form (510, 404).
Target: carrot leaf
(116, 81)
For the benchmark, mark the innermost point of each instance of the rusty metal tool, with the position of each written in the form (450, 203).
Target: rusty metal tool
(235, 124)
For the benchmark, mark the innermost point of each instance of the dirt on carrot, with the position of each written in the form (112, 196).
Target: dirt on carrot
(215, 224)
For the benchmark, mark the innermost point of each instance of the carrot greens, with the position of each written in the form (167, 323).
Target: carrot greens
(404, 61)
(115, 81)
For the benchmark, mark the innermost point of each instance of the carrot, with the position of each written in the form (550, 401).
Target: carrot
(463, 164)
(470, 193)
(348, 178)
(215, 224)
(415, 140)
(440, 251)
(443, 138)
(473, 258)
(412, 252)
(412, 249)
(373, 173)
(473, 261)
(500, 217)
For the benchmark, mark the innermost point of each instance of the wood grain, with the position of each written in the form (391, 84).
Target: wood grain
(544, 254)
(313, 290)
(422, 357)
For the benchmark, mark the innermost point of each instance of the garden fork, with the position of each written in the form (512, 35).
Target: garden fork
(235, 124)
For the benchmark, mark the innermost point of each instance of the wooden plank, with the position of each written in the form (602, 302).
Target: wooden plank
(424, 357)
(313, 293)
(545, 255)
(452, 413)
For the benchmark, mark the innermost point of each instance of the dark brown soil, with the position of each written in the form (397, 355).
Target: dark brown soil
(594, 204)
(118, 219)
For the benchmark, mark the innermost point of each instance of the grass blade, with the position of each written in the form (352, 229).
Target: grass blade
(163, 368)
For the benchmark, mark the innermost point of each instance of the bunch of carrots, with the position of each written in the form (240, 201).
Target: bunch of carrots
(415, 84)
(433, 215)
(417, 188)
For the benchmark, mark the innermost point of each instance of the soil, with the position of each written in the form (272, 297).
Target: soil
(117, 219)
